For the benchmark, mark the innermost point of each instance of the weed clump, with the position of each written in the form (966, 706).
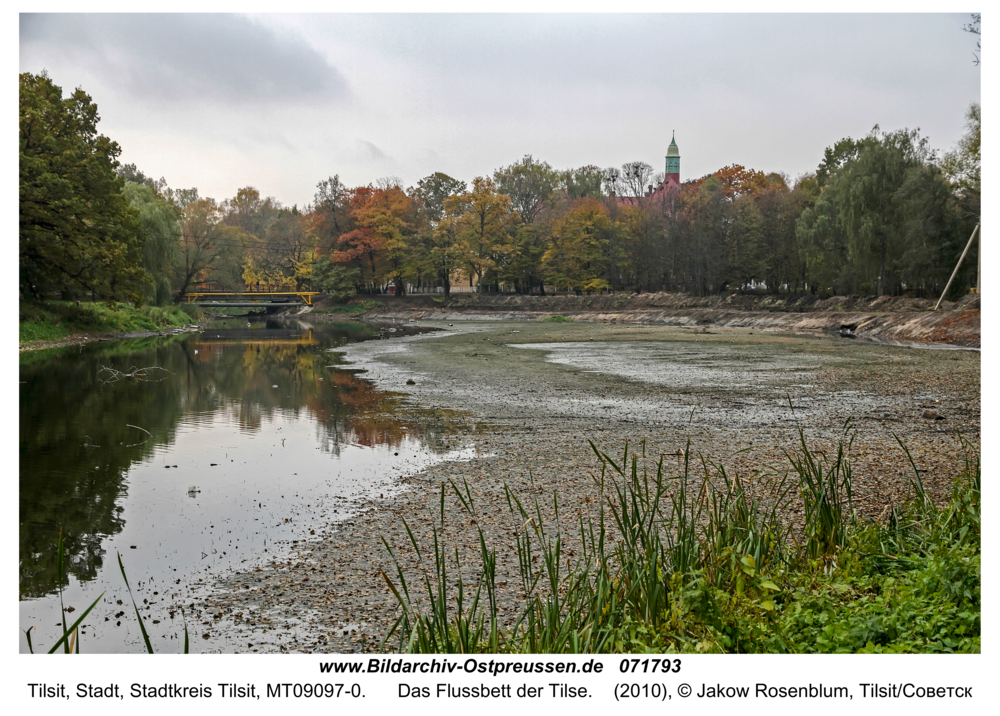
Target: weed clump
(702, 565)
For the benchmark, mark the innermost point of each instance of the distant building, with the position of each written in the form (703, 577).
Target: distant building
(673, 163)
(672, 177)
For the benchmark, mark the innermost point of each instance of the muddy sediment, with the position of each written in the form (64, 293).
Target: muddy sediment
(884, 318)
(737, 396)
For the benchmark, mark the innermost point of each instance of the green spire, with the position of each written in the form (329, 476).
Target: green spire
(673, 150)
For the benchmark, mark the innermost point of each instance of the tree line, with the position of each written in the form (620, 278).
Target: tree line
(882, 214)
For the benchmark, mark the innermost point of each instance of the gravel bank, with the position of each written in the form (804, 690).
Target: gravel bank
(727, 390)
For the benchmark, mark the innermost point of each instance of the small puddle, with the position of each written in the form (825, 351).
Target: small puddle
(682, 364)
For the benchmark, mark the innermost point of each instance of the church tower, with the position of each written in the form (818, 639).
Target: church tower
(673, 163)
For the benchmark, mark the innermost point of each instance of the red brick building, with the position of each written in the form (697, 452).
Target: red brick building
(671, 182)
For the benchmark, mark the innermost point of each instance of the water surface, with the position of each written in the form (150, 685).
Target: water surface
(230, 444)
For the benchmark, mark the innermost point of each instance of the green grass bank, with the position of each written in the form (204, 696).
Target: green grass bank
(61, 320)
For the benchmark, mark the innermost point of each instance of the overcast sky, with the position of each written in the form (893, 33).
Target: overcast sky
(281, 102)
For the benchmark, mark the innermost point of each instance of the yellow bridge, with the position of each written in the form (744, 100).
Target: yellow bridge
(252, 297)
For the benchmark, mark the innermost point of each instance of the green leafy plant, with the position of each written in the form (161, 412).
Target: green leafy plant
(703, 565)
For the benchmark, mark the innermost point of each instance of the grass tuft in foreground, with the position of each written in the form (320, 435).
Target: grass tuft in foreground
(702, 565)
(70, 639)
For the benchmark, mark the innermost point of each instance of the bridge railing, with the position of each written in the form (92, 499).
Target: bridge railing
(214, 287)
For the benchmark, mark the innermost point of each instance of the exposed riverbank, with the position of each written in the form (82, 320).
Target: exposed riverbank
(531, 412)
(880, 319)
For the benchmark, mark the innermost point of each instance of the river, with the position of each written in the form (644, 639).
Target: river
(193, 456)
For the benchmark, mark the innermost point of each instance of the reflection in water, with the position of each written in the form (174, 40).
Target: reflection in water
(95, 451)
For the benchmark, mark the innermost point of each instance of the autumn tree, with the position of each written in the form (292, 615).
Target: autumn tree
(579, 242)
(737, 181)
(331, 212)
(208, 248)
(291, 246)
(250, 212)
(482, 220)
(379, 245)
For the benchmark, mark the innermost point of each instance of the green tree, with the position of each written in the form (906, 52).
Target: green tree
(436, 243)
(76, 230)
(744, 240)
(583, 182)
(529, 184)
(871, 207)
(963, 165)
(823, 244)
(844, 151)
(433, 190)
(160, 221)
(338, 280)
(882, 221)
(933, 236)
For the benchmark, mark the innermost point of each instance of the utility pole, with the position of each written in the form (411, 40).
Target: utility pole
(958, 265)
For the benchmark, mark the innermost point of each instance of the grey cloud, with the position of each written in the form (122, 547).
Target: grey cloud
(367, 150)
(188, 57)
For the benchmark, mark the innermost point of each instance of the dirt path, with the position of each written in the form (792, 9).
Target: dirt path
(531, 412)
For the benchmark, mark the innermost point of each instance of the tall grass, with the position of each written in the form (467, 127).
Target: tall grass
(688, 562)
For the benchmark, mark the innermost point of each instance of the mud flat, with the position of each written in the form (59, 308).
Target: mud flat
(880, 319)
(535, 393)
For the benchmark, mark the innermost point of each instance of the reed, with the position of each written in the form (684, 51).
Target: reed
(70, 639)
(700, 561)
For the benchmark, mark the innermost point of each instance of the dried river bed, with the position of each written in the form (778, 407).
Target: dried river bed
(534, 394)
